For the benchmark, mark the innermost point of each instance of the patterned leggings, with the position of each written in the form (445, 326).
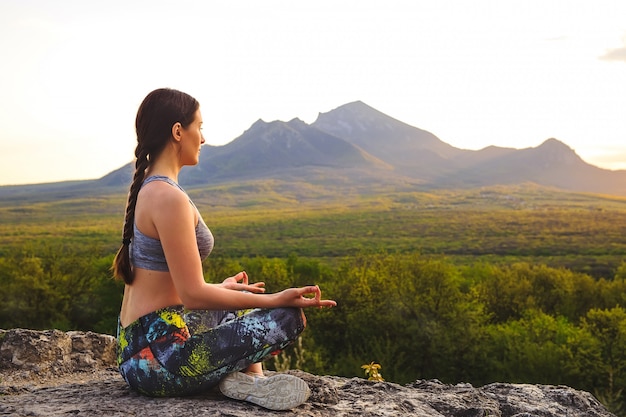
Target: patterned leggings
(173, 352)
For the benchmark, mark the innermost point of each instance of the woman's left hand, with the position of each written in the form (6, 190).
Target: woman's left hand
(233, 283)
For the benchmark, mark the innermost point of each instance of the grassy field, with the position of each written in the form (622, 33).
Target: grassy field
(581, 231)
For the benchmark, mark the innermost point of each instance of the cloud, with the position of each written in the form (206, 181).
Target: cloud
(617, 54)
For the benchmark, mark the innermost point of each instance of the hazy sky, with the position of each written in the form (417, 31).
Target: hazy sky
(474, 73)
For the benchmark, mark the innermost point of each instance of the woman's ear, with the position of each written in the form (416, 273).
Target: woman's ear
(177, 131)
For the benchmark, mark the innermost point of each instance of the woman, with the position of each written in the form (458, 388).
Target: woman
(177, 334)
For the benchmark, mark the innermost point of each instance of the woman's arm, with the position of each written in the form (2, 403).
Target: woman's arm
(175, 221)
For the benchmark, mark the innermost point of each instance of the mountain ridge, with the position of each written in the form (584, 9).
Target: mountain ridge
(364, 144)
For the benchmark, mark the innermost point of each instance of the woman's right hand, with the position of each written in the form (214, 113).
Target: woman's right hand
(232, 283)
(301, 297)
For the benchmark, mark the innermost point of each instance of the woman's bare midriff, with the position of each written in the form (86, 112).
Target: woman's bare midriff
(150, 291)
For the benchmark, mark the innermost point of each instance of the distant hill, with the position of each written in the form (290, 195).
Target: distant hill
(552, 164)
(360, 144)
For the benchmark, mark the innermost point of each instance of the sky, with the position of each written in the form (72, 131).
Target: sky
(474, 73)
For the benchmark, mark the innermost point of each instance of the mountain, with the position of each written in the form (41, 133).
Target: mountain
(358, 145)
(277, 147)
(410, 150)
(552, 164)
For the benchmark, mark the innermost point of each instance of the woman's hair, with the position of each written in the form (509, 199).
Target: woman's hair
(158, 112)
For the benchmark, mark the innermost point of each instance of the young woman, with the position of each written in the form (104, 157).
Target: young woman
(177, 334)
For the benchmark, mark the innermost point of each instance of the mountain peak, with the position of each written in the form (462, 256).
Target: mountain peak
(259, 124)
(554, 147)
(552, 143)
(389, 139)
(355, 106)
(357, 114)
(553, 153)
(297, 123)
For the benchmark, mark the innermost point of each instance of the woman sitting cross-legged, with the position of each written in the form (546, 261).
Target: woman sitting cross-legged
(177, 334)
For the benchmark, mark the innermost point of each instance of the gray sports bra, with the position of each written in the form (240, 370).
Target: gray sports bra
(147, 252)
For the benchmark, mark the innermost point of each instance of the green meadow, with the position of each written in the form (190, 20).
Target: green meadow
(509, 284)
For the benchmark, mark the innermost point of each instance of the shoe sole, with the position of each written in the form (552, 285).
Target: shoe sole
(276, 392)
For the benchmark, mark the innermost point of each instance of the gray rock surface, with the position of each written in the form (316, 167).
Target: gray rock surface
(52, 373)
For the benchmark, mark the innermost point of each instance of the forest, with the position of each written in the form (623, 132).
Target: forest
(507, 284)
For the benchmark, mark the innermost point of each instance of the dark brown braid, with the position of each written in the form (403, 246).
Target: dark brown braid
(121, 264)
(158, 112)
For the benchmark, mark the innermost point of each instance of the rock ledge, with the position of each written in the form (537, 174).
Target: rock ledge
(52, 373)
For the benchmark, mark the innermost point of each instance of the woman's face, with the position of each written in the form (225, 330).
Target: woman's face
(191, 141)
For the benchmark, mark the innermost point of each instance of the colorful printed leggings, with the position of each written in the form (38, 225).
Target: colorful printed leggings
(173, 352)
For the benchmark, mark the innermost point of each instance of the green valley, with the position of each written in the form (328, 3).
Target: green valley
(503, 283)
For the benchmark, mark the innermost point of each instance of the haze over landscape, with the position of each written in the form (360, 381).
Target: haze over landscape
(509, 74)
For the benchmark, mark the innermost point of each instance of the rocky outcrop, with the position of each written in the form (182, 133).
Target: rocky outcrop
(36, 354)
(52, 373)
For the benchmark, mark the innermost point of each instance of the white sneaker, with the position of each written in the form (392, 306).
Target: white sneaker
(275, 392)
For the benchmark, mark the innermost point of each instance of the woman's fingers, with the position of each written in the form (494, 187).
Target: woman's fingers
(257, 287)
(240, 282)
(241, 276)
(316, 300)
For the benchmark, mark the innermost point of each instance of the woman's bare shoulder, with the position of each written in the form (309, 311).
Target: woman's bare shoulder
(161, 203)
(161, 192)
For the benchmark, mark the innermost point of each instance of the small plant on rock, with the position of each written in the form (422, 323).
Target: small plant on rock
(373, 370)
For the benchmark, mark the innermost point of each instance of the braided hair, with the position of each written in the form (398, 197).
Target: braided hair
(158, 112)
